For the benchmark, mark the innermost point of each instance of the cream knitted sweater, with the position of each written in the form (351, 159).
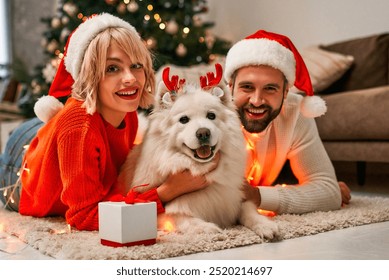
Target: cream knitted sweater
(294, 137)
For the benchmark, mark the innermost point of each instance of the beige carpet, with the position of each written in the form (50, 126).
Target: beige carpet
(51, 237)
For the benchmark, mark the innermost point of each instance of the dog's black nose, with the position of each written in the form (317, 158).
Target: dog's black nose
(203, 135)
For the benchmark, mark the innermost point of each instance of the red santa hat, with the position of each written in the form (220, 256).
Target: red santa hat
(69, 68)
(277, 51)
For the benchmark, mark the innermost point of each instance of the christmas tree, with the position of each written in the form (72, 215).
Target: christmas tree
(172, 29)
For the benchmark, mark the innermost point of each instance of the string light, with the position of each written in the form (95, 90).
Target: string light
(10, 201)
(157, 18)
(168, 225)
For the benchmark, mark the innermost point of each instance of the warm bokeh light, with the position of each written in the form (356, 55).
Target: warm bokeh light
(267, 213)
(168, 225)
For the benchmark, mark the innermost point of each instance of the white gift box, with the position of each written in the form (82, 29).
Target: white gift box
(122, 224)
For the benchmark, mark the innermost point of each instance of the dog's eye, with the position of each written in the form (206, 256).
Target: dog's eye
(211, 116)
(184, 120)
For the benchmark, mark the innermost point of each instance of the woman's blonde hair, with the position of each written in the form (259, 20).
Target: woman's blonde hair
(93, 66)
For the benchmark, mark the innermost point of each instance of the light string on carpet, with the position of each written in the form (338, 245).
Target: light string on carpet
(10, 191)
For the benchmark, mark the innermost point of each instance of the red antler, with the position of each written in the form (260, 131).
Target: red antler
(210, 80)
(174, 83)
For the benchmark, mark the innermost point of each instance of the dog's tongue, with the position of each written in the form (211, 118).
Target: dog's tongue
(204, 151)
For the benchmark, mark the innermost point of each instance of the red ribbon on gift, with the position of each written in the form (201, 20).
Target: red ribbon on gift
(132, 196)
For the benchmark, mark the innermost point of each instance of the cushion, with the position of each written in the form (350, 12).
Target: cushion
(371, 63)
(325, 67)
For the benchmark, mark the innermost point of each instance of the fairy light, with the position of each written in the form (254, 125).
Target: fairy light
(8, 191)
(186, 30)
(254, 171)
(162, 26)
(168, 225)
(150, 7)
(157, 18)
(126, 1)
(147, 17)
(66, 230)
(267, 213)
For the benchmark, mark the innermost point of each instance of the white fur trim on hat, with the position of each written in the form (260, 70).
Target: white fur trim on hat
(260, 52)
(313, 106)
(84, 34)
(47, 107)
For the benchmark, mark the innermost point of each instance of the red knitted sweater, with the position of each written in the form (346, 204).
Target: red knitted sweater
(73, 163)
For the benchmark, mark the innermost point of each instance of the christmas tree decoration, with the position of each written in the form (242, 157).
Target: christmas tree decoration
(181, 50)
(133, 7)
(172, 29)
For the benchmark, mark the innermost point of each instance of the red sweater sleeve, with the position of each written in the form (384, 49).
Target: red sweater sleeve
(82, 158)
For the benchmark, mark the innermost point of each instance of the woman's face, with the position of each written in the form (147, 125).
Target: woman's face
(119, 92)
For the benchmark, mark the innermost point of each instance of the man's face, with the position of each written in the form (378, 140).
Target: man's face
(258, 93)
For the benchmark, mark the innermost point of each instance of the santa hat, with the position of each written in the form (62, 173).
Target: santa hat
(277, 51)
(69, 68)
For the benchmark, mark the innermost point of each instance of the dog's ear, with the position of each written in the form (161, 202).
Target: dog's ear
(163, 97)
(167, 99)
(168, 89)
(217, 91)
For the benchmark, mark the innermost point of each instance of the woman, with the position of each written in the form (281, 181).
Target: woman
(73, 162)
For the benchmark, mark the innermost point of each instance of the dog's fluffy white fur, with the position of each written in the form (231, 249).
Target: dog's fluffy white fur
(206, 122)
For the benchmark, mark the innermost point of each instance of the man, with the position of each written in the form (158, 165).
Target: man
(278, 126)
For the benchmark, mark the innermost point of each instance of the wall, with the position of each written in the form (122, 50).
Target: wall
(27, 30)
(307, 22)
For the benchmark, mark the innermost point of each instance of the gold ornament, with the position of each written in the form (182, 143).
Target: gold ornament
(55, 22)
(70, 9)
(122, 8)
(171, 27)
(132, 7)
(181, 50)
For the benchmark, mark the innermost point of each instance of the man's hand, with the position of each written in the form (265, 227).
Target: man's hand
(345, 191)
(252, 193)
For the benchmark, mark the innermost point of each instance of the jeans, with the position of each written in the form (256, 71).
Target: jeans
(11, 162)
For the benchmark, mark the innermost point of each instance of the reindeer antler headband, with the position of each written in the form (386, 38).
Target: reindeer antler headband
(210, 80)
(208, 83)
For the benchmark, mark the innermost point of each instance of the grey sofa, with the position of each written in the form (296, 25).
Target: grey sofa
(356, 125)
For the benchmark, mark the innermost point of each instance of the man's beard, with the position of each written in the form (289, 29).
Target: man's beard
(257, 126)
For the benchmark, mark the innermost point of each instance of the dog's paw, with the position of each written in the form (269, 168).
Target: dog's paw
(261, 225)
(265, 228)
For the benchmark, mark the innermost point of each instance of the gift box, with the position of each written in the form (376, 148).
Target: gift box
(122, 224)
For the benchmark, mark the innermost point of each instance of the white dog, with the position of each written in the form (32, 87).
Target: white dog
(187, 127)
